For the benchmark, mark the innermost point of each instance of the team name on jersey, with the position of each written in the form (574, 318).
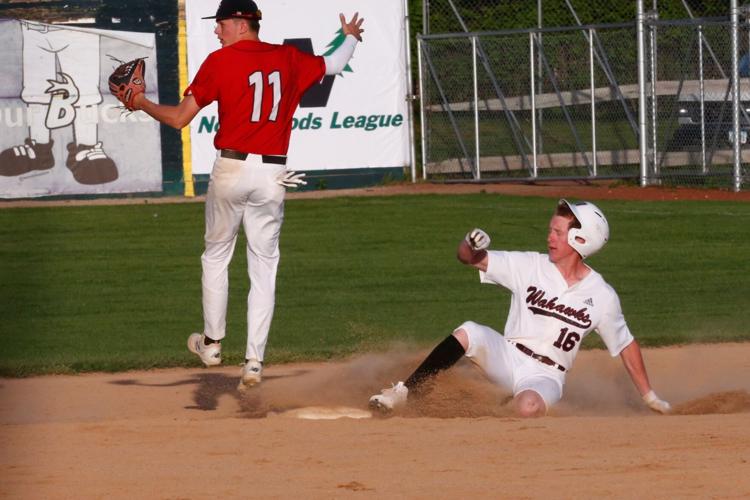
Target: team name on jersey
(538, 304)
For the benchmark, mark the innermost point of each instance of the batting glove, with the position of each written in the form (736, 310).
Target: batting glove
(477, 239)
(291, 179)
(656, 404)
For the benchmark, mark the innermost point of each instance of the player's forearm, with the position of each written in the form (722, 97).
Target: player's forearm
(160, 112)
(339, 58)
(174, 116)
(469, 256)
(633, 360)
(636, 368)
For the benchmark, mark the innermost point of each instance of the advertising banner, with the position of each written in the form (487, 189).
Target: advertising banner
(357, 119)
(61, 131)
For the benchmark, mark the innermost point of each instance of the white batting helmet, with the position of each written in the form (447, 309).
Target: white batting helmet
(594, 230)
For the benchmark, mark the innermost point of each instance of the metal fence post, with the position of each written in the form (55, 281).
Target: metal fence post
(532, 93)
(539, 36)
(420, 43)
(702, 87)
(410, 95)
(593, 100)
(422, 114)
(640, 21)
(653, 16)
(477, 174)
(735, 94)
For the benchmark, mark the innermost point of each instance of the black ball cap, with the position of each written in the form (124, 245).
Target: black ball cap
(246, 9)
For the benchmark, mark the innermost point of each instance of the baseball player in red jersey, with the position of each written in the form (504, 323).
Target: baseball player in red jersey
(257, 86)
(557, 300)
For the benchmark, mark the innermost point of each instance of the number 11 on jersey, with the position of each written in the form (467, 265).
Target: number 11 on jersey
(256, 80)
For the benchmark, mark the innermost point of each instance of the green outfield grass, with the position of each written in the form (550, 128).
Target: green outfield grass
(118, 287)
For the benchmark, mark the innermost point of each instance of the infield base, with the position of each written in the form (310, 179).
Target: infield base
(323, 413)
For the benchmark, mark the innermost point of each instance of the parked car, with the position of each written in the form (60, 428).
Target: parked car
(717, 110)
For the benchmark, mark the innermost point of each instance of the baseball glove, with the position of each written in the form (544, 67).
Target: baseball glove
(127, 81)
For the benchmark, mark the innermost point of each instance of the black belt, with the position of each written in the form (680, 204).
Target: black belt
(239, 155)
(539, 357)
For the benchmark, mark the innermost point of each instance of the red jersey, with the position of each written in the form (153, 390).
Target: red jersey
(258, 87)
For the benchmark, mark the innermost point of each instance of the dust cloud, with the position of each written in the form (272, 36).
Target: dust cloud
(694, 379)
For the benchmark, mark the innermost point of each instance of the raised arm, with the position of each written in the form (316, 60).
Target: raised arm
(338, 59)
(633, 360)
(472, 250)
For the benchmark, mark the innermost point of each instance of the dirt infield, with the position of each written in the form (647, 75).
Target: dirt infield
(188, 433)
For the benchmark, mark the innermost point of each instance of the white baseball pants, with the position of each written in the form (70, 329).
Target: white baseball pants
(505, 365)
(242, 192)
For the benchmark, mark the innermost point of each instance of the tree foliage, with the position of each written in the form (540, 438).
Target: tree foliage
(492, 15)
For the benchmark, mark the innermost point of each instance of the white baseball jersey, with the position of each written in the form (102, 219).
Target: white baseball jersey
(550, 317)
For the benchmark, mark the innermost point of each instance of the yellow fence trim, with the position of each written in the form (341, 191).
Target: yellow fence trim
(187, 160)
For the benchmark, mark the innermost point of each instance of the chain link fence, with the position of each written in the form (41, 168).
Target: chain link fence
(515, 104)
(690, 101)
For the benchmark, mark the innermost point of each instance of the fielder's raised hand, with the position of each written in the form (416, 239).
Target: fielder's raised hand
(655, 403)
(478, 239)
(353, 27)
